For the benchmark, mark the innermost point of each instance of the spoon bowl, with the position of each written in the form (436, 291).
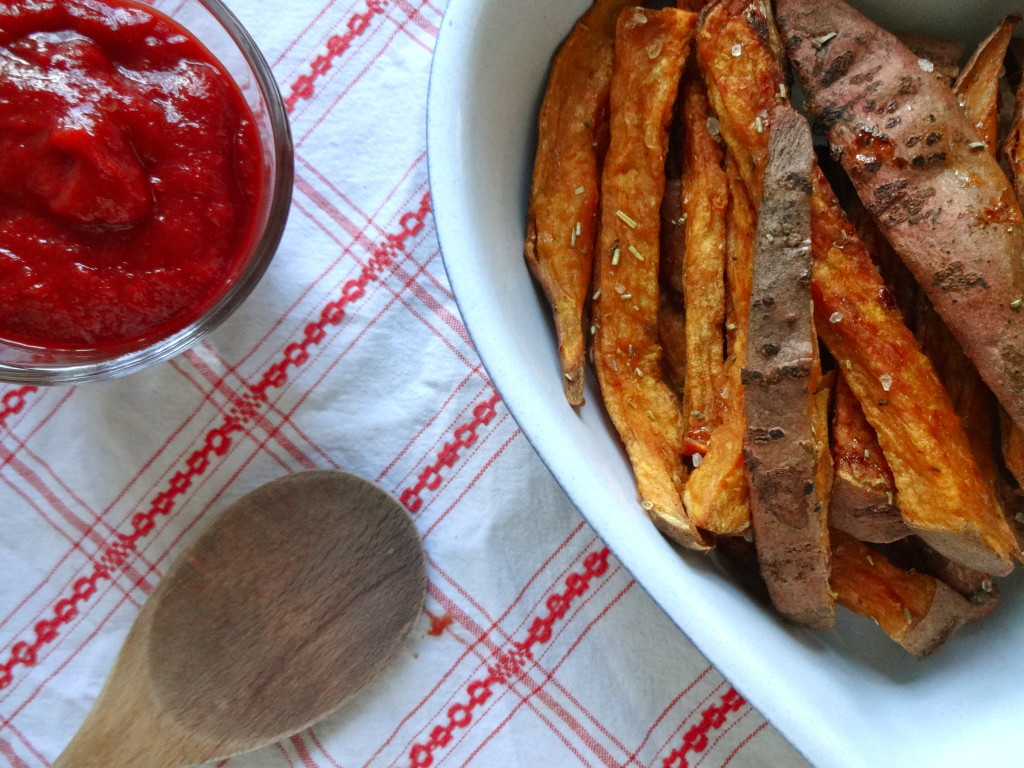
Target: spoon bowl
(296, 597)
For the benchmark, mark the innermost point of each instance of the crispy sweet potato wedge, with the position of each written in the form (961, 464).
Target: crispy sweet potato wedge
(863, 493)
(716, 495)
(972, 400)
(739, 267)
(561, 225)
(976, 587)
(961, 240)
(977, 86)
(940, 491)
(705, 202)
(781, 372)
(917, 611)
(742, 89)
(898, 280)
(651, 48)
(1012, 435)
(978, 90)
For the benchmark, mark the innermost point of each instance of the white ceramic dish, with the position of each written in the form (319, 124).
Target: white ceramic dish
(847, 697)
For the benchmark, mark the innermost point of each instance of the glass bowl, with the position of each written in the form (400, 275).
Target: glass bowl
(223, 35)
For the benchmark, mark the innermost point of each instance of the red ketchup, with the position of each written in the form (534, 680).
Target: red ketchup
(131, 174)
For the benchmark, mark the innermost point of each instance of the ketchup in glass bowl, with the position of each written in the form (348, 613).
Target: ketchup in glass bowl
(145, 180)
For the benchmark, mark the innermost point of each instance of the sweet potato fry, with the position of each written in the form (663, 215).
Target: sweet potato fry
(705, 201)
(863, 493)
(562, 218)
(742, 89)
(977, 85)
(972, 400)
(739, 267)
(939, 488)
(961, 240)
(917, 611)
(898, 280)
(1012, 434)
(977, 89)
(976, 587)
(651, 47)
(716, 495)
(787, 503)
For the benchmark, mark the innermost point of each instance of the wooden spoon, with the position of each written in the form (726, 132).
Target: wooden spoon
(280, 612)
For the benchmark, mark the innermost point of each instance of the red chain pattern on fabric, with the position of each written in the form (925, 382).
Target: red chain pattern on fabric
(510, 664)
(696, 739)
(304, 85)
(215, 444)
(465, 435)
(12, 402)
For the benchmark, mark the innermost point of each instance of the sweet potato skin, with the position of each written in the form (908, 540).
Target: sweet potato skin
(787, 503)
(944, 55)
(627, 352)
(857, 317)
(961, 240)
(572, 133)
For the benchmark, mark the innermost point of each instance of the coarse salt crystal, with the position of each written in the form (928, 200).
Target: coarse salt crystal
(925, 65)
(835, 317)
(737, 49)
(886, 381)
(697, 459)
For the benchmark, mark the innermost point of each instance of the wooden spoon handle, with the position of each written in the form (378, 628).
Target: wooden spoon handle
(125, 728)
(93, 749)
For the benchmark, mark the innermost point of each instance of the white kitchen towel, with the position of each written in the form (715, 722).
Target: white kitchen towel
(535, 647)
